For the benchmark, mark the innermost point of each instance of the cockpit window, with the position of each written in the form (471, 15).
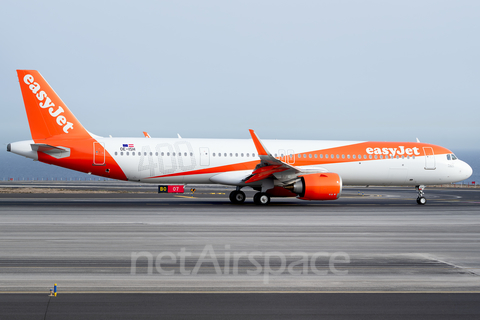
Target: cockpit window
(448, 157)
(453, 157)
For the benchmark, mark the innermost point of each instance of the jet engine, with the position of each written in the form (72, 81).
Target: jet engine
(318, 186)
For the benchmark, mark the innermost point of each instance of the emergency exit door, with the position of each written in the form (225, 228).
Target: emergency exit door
(98, 154)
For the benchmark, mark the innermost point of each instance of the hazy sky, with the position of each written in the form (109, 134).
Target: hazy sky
(343, 70)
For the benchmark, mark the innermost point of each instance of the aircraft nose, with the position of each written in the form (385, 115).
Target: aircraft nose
(466, 170)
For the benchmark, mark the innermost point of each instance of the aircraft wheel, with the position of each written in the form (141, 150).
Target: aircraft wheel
(261, 198)
(421, 200)
(237, 196)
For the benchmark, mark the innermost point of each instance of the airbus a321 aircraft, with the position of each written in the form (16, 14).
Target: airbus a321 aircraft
(306, 169)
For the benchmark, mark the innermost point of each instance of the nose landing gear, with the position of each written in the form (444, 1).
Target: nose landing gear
(421, 199)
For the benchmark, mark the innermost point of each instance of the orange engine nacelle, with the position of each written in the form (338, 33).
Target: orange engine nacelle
(319, 186)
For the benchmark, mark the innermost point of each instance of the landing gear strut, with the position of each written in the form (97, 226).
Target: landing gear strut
(237, 196)
(421, 199)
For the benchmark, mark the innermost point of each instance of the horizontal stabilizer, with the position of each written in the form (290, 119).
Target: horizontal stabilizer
(53, 151)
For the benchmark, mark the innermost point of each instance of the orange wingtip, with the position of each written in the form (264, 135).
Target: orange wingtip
(258, 144)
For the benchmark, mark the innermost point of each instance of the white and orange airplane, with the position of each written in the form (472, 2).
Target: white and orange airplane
(306, 169)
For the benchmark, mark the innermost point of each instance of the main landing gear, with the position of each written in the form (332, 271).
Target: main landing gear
(421, 199)
(260, 198)
(237, 196)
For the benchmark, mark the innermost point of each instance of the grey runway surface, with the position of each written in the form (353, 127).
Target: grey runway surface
(339, 306)
(373, 254)
(372, 239)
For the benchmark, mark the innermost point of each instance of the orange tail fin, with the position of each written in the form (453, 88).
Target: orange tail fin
(47, 115)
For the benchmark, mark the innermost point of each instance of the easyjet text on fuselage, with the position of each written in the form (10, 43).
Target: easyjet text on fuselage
(400, 151)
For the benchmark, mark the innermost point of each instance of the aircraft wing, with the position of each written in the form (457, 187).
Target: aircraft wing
(271, 166)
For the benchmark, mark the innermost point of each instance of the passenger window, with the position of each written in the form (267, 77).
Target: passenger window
(321, 155)
(213, 154)
(310, 156)
(370, 157)
(364, 156)
(332, 156)
(236, 155)
(354, 156)
(316, 155)
(121, 153)
(343, 156)
(116, 153)
(241, 155)
(376, 156)
(326, 156)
